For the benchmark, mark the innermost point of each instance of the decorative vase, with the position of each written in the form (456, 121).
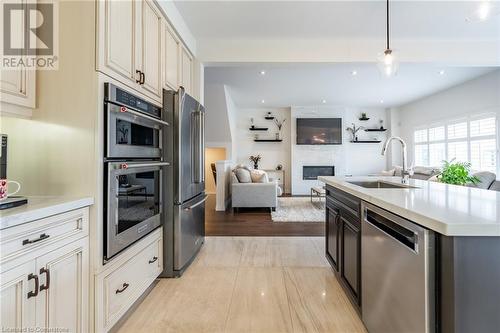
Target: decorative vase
(277, 136)
(256, 166)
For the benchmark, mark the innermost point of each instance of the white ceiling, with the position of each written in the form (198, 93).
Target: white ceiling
(432, 20)
(308, 84)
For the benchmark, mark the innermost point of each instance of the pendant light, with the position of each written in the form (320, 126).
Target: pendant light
(387, 61)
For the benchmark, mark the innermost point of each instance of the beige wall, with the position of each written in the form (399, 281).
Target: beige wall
(211, 156)
(53, 153)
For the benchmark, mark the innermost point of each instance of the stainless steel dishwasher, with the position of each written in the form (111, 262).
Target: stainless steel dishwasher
(397, 269)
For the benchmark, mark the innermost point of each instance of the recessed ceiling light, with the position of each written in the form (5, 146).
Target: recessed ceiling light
(263, 101)
(381, 101)
(354, 73)
(263, 72)
(323, 101)
(441, 72)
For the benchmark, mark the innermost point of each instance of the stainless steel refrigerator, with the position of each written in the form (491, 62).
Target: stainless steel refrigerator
(184, 146)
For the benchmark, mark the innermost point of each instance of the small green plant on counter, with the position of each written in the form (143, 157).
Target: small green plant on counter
(457, 173)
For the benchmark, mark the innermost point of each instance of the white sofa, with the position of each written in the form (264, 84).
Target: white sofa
(250, 195)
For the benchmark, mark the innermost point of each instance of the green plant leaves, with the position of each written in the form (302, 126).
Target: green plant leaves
(457, 173)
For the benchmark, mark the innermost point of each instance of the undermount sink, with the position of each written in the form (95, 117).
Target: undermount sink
(379, 184)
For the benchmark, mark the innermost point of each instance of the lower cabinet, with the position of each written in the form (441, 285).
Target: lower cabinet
(46, 288)
(343, 241)
(126, 278)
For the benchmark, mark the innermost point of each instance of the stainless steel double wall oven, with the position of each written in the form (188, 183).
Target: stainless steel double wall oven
(134, 169)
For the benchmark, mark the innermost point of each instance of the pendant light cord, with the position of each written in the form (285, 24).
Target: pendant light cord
(387, 7)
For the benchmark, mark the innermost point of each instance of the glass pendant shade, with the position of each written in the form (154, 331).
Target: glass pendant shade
(388, 63)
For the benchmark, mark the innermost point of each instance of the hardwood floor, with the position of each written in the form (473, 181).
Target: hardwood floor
(250, 284)
(254, 222)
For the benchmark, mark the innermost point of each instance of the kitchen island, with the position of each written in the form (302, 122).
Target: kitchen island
(421, 256)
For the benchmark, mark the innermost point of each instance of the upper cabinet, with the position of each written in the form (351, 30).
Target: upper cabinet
(171, 49)
(17, 85)
(129, 47)
(138, 47)
(150, 58)
(186, 71)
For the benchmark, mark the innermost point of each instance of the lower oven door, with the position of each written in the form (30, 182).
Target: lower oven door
(134, 203)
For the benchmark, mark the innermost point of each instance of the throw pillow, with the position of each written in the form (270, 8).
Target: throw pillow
(388, 172)
(485, 179)
(259, 176)
(243, 175)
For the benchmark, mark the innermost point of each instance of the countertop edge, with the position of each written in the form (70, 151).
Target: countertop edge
(44, 212)
(461, 230)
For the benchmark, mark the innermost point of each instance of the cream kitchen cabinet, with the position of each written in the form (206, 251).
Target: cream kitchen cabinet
(17, 85)
(44, 273)
(171, 56)
(129, 44)
(186, 79)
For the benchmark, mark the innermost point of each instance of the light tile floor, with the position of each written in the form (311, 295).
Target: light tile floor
(250, 284)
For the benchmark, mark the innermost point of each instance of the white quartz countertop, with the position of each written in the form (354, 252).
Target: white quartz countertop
(39, 208)
(447, 209)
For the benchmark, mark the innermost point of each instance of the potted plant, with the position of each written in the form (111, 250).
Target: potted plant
(255, 159)
(457, 173)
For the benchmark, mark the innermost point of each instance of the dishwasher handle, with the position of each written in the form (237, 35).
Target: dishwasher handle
(406, 237)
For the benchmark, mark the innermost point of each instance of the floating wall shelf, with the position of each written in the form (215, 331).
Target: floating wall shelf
(375, 129)
(366, 141)
(267, 140)
(364, 119)
(269, 118)
(258, 128)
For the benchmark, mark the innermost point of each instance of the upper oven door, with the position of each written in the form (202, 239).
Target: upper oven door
(131, 134)
(134, 202)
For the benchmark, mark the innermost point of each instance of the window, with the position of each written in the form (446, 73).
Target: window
(470, 140)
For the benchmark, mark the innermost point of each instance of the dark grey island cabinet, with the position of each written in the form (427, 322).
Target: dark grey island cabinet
(343, 240)
(465, 285)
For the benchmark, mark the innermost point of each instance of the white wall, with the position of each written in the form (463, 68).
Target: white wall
(217, 129)
(473, 97)
(273, 153)
(348, 158)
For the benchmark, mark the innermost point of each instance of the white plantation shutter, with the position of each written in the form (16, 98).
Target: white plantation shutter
(473, 140)
(458, 150)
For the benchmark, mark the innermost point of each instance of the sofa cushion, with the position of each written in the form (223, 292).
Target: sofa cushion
(259, 176)
(243, 175)
(426, 171)
(388, 172)
(495, 186)
(485, 179)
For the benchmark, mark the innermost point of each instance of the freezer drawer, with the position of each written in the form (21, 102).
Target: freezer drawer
(189, 230)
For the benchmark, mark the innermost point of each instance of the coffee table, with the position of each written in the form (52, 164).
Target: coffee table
(318, 192)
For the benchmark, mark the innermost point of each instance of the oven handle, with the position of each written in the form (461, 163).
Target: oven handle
(142, 165)
(197, 204)
(142, 115)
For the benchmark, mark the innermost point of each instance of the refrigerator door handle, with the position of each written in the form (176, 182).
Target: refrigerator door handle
(202, 146)
(196, 204)
(197, 146)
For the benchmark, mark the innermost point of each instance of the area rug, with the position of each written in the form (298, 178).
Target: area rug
(299, 209)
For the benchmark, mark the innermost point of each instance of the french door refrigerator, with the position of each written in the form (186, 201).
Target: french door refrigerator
(184, 227)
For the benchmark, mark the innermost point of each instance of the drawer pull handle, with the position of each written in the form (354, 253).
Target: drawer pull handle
(35, 292)
(47, 278)
(30, 241)
(125, 286)
(153, 260)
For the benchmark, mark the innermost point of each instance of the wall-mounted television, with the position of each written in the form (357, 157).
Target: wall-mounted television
(319, 131)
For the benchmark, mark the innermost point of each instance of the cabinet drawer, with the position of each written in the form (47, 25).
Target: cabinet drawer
(124, 285)
(28, 237)
(349, 202)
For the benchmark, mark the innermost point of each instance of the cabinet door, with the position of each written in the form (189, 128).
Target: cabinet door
(332, 241)
(117, 51)
(170, 59)
(17, 310)
(186, 70)
(350, 271)
(151, 47)
(17, 85)
(64, 288)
